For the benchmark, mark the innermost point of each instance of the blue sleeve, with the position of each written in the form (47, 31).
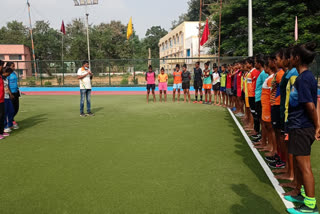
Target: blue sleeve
(304, 91)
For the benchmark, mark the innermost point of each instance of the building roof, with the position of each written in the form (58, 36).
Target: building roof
(14, 49)
(177, 30)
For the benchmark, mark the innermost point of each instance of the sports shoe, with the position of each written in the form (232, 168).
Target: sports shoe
(15, 126)
(90, 114)
(1, 137)
(239, 114)
(195, 101)
(277, 165)
(303, 209)
(205, 102)
(295, 199)
(200, 102)
(5, 134)
(233, 109)
(83, 115)
(256, 140)
(7, 130)
(210, 103)
(270, 159)
(256, 136)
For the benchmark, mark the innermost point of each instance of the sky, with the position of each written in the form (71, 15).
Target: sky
(145, 13)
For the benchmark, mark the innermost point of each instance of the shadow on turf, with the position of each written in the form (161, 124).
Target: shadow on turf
(95, 110)
(32, 121)
(244, 151)
(250, 202)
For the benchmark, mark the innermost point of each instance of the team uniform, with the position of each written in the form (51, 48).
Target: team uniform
(207, 79)
(265, 99)
(197, 84)
(216, 81)
(238, 82)
(291, 76)
(223, 77)
(229, 90)
(275, 99)
(151, 76)
(301, 127)
(177, 80)
(262, 77)
(163, 78)
(245, 90)
(186, 76)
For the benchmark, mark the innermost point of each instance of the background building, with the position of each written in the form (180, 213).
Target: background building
(20, 55)
(182, 43)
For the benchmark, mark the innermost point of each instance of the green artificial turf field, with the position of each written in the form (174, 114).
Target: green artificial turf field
(130, 158)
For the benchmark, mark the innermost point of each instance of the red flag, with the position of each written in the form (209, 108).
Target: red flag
(205, 34)
(63, 29)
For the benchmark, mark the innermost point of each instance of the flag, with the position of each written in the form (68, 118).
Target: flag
(296, 30)
(63, 29)
(129, 30)
(205, 34)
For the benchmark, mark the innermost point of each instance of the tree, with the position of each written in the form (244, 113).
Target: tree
(194, 12)
(273, 25)
(76, 43)
(15, 33)
(153, 35)
(47, 40)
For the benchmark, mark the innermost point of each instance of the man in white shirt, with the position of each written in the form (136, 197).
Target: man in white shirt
(84, 76)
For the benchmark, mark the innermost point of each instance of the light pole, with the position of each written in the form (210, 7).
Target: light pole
(86, 3)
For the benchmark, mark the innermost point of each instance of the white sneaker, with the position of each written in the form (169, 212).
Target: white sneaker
(15, 126)
(7, 130)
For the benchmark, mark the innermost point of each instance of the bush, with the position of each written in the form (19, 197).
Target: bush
(124, 81)
(59, 80)
(170, 81)
(31, 82)
(47, 83)
(135, 81)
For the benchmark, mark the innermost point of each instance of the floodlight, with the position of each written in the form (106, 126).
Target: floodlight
(76, 3)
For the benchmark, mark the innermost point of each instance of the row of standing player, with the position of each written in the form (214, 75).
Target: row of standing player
(9, 99)
(279, 95)
(202, 79)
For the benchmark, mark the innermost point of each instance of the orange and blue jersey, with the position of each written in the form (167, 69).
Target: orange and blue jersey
(275, 98)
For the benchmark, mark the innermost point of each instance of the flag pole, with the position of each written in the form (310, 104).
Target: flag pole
(200, 17)
(62, 64)
(219, 33)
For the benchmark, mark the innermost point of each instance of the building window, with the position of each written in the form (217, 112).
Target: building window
(15, 57)
(174, 40)
(178, 39)
(1, 57)
(188, 52)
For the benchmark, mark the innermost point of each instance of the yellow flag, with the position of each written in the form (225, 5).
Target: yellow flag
(129, 30)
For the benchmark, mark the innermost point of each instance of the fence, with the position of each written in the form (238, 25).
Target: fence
(111, 72)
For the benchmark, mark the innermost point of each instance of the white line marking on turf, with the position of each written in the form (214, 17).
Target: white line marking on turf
(263, 164)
